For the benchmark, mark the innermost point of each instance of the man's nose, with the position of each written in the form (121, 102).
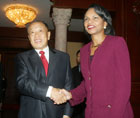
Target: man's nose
(36, 34)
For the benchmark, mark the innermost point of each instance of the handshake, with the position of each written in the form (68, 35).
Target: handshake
(60, 96)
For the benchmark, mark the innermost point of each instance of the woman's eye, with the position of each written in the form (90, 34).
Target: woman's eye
(85, 19)
(40, 30)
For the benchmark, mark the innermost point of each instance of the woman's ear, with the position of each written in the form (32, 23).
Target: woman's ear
(105, 25)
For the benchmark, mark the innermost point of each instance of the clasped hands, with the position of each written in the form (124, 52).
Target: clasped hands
(60, 96)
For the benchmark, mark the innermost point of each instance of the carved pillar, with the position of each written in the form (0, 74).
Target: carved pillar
(61, 18)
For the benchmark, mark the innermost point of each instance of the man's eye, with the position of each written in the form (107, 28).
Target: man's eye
(40, 30)
(95, 17)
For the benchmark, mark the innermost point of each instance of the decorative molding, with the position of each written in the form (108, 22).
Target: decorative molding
(61, 16)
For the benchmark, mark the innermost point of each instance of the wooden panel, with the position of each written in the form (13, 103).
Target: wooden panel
(119, 18)
(109, 4)
(133, 39)
(13, 32)
(71, 3)
(132, 35)
(135, 98)
(11, 95)
(17, 38)
(14, 43)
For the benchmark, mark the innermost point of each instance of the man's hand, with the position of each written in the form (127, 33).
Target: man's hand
(66, 93)
(60, 96)
(65, 116)
(57, 96)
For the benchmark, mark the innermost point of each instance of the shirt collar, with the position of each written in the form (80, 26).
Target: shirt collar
(46, 50)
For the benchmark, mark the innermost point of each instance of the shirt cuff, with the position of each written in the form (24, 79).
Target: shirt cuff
(65, 116)
(49, 91)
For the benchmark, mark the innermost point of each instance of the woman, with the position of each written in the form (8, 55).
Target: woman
(105, 66)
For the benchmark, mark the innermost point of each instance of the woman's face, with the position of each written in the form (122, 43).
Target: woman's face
(93, 23)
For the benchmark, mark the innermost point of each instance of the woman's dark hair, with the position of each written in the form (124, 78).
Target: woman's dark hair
(105, 15)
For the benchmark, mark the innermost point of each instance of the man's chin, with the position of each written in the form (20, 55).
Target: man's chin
(39, 48)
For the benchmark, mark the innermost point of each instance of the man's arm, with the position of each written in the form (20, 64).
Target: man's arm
(28, 84)
(68, 86)
(57, 96)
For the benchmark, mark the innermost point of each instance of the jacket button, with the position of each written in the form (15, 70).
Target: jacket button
(109, 106)
(89, 78)
(90, 91)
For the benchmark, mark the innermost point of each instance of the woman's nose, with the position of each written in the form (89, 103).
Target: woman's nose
(90, 21)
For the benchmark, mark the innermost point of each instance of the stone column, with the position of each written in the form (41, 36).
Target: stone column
(61, 18)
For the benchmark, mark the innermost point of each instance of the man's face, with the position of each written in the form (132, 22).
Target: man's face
(78, 58)
(38, 35)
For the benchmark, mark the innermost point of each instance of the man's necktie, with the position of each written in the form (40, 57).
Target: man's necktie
(44, 61)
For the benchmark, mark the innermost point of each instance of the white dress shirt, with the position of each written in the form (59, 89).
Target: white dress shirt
(46, 50)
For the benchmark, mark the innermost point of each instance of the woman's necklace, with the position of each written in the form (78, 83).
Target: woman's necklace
(95, 46)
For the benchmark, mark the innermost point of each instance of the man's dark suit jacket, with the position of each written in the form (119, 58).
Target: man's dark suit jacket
(77, 76)
(33, 84)
(77, 79)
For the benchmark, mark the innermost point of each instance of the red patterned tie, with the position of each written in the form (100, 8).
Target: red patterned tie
(44, 61)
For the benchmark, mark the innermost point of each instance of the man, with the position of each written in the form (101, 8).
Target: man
(77, 78)
(37, 85)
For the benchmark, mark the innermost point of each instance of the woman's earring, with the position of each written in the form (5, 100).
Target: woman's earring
(104, 27)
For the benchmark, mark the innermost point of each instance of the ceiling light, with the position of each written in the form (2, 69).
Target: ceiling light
(20, 14)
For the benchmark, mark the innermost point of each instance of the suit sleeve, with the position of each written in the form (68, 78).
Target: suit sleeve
(27, 85)
(68, 86)
(123, 82)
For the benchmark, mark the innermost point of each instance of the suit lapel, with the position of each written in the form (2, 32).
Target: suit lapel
(51, 63)
(37, 65)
